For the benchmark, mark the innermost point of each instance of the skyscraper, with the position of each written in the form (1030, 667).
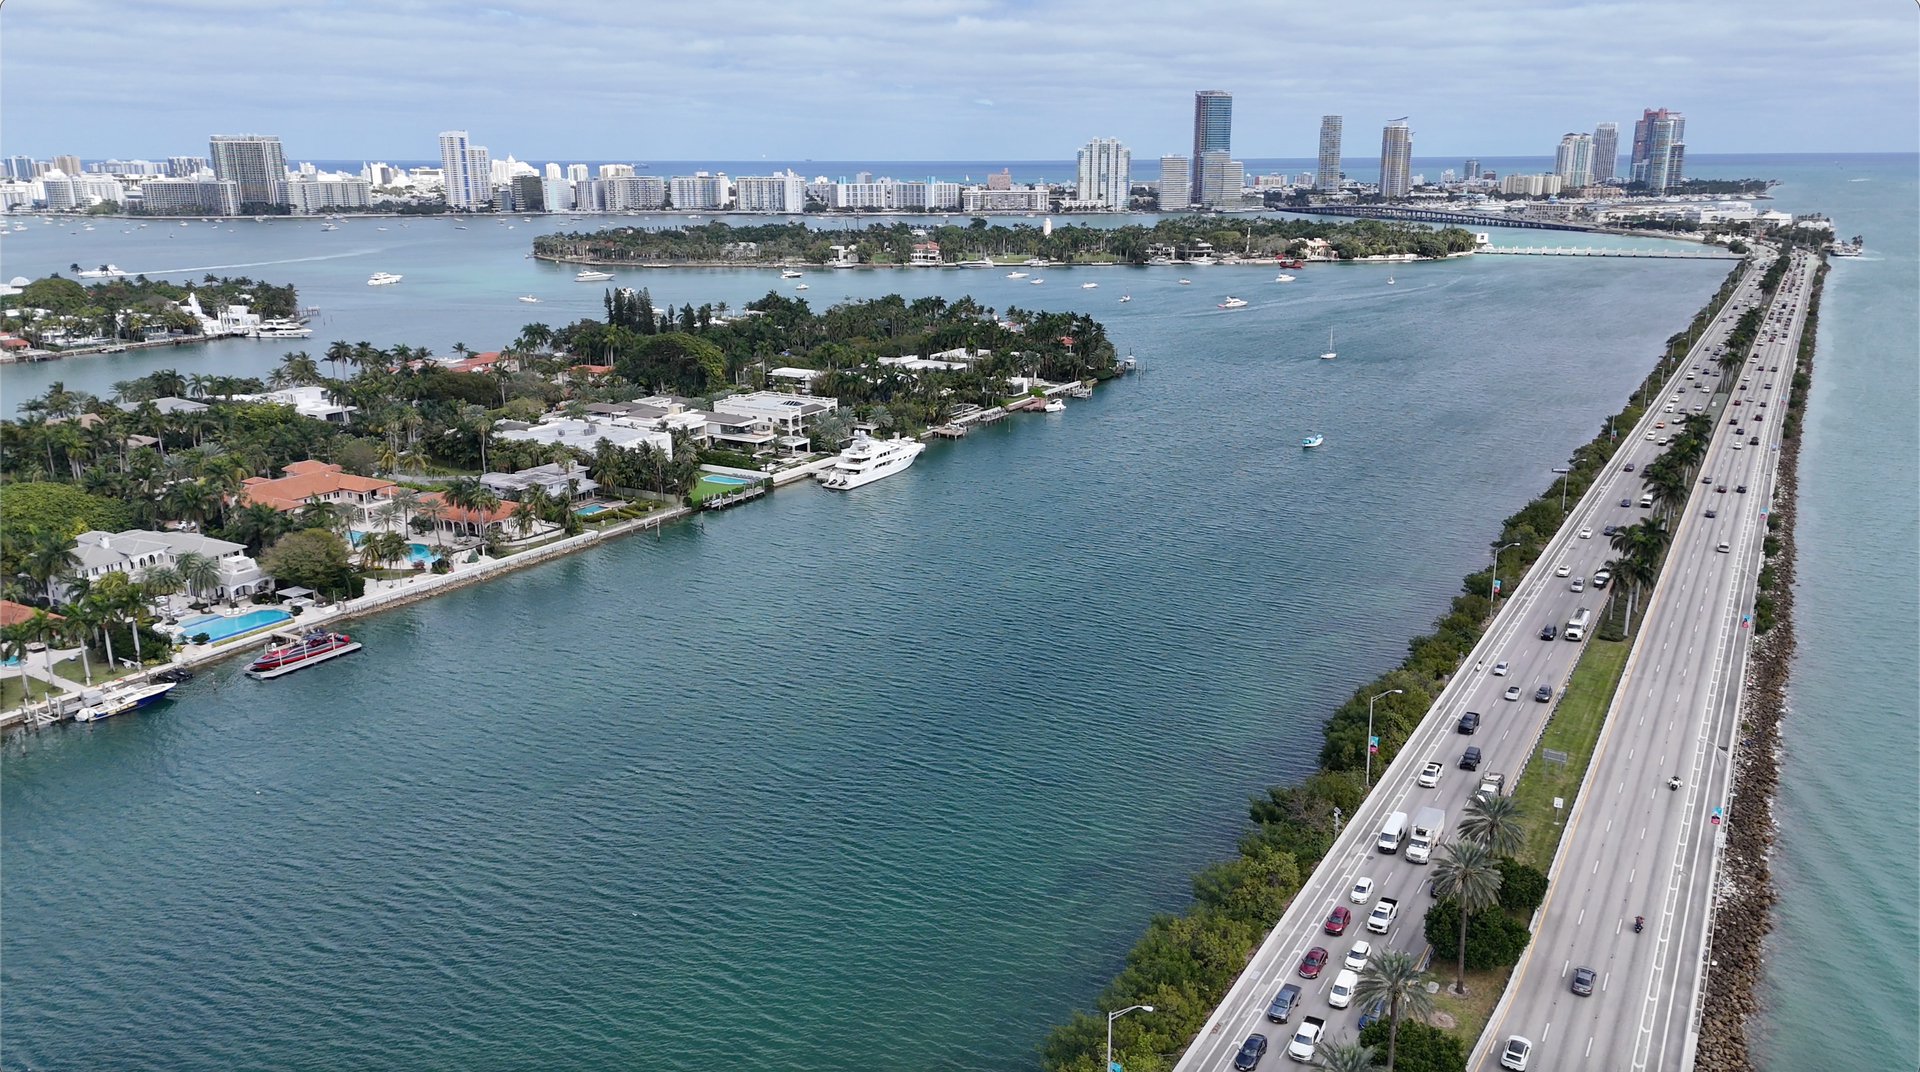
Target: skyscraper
(256, 162)
(1573, 160)
(1328, 175)
(1396, 159)
(1221, 179)
(1105, 173)
(67, 165)
(466, 172)
(1606, 151)
(1212, 133)
(1472, 169)
(1656, 136)
(1176, 175)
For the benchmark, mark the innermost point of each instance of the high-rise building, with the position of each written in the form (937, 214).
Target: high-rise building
(67, 165)
(1175, 176)
(1396, 159)
(1221, 178)
(189, 197)
(466, 172)
(1328, 175)
(256, 162)
(556, 195)
(1472, 170)
(1606, 151)
(777, 192)
(1105, 174)
(1655, 137)
(1212, 133)
(576, 172)
(999, 180)
(528, 194)
(310, 195)
(20, 168)
(616, 171)
(185, 167)
(553, 172)
(698, 190)
(1573, 161)
(636, 193)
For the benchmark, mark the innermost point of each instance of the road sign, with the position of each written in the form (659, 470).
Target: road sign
(1558, 804)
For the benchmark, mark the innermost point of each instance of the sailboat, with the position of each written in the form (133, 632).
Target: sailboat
(1329, 355)
(1389, 278)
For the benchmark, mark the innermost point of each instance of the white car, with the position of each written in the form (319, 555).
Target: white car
(1649, 436)
(1564, 570)
(1725, 547)
(1579, 584)
(1430, 775)
(1357, 956)
(1586, 534)
(1512, 693)
(1499, 669)
(1515, 1053)
(1362, 891)
(1306, 1039)
(1341, 995)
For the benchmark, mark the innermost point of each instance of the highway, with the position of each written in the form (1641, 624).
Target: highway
(1507, 736)
(1634, 846)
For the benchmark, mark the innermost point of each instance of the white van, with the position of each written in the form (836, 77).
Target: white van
(1646, 499)
(1392, 832)
(1344, 985)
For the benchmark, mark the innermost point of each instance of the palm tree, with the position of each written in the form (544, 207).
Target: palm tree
(13, 645)
(1346, 1057)
(49, 558)
(1393, 976)
(1494, 821)
(523, 518)
(198, 572)
(1468, 874)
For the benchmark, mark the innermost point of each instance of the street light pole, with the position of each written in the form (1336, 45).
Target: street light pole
(1563, 490)
(1366, 781)
(1111, 1017)
(1493, 586)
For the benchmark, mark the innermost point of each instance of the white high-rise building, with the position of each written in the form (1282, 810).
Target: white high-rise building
(1221, 179)
(576, 172)
(556, 194)
(1327, 177)
(1175, 193)
(635, 193)
(778, 192)
(1106, 174)
(256, 162)
(1606, 151)
(465, 172)
(1573, 161)
(943, 196)
(553, 172)
(310, 195)
(1396, 159)
(616, 171)
(699, 190)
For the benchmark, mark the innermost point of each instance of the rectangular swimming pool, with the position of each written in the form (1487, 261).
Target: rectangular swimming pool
(219, 627)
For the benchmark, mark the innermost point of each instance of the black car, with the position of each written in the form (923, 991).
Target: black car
(1626, 502)
(1754, 442)
(1543, 694)
(1250, 1053)
(1627, 468)
(1283, 1003)
(1706, 479)
(1583, 981)
(1470, 759)
(1470, 722)
(1740, 488)
(1546, 631)
(1711, 514)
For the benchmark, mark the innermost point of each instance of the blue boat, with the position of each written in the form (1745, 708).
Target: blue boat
(1313, 441)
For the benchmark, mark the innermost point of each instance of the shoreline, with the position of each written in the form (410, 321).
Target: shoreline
(1743, 907)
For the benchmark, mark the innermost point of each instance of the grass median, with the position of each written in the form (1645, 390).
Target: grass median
(1575, 730)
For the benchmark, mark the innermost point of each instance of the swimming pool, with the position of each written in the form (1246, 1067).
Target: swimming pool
(219, 627)
(416, 552)
(716, 478)
(591, 509)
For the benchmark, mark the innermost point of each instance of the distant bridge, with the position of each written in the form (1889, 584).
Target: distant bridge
(1707, 254)
(1469, 220)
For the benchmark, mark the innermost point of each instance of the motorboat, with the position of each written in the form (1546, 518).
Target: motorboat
(1283, 278)
(1313, 441)
(529, 299)
(1088, 286)
(292, 650)
(1329, 355)
(1186, 282)
(1126, 297)
(799, 286)
(1054, 405)
(867, 459)
(329, 226)
(379, 228)
(591, 276)
(1016, 275)
(1389, 279)
(789, 273)
(1231, 303)
(282, 328)
(383, 279)
(1036, 282)
(98, 704)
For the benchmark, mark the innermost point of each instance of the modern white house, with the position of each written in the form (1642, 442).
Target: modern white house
(557, 480)
(624, 432)
(137, 550)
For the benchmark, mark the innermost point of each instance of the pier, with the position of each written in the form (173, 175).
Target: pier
(1707, 254)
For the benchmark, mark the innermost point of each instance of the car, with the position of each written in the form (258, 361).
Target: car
(1758, 418)
(1736, 401)
(1769, 387)
(1713, 513)
(1470, 722)
(1306, 1039)
(1512, 693)
(1543, 694)
(1720, 489)
(1337, 920)
(1284, 1003)
(1250, 1053)
(1725, 547)
(1735, 419)
(1579, 585)
(1649, 435)
(1753, 442)
(1430, 774)
(1737, 445)
(1586, 534)
(1663, 424)
(1362, 891)
(1357, 956)
(1469, 760)
(1547, 631)
(1341, 994)
(1628, 501)
(1565, 570)
(1608, 531)
(1315, 960)
(1763, 405)
(1740, 489)
(1583, 981)
(1708, 479)
(1514, 1054)
(1601, 577)
(1627, 468)
(1499, 669)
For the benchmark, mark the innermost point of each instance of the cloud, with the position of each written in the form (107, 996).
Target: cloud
(879, 79)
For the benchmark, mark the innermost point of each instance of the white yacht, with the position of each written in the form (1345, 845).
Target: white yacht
(1232, 303)
(591, 276)
(1016, 275)
(1088, 286)
(799, 286)
(866, 460)
(383, 279)
(1054, 405)
(282, 328)
(529, 299)
(789, 273)
(1283, 278)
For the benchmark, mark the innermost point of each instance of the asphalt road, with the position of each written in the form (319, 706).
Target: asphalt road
(1507, 735)
(1634, 846)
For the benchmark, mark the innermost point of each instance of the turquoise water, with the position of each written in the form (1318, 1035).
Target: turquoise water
(851, 782)
(715, 478)
(219, 627)
(416, 552)
(591, 509)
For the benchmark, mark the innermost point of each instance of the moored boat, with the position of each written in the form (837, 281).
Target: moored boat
(114, 701)
(288, 651)
(866, 460)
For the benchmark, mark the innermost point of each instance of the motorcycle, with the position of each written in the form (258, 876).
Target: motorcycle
(1673, 783)
(1639, 924)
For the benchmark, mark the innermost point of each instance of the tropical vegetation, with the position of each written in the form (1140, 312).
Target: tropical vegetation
(135, 307)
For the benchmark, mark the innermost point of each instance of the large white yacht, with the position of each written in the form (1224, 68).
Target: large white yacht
(866, 460)
(588, 275)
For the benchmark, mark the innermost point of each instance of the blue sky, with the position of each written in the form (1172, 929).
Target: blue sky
(944, 79)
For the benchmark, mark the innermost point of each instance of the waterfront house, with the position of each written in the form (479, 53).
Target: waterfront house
(558, 480)
(624, 432)
(316, 481)
(456, 522)
(167, 404)
(742, 431)
(309, 401)
(137, 550)
(788, 413)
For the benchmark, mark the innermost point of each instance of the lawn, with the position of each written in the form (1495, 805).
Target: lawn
(1574, 730)
(1469, 1013)
(706, 488)
(10, 694)
(73, 670)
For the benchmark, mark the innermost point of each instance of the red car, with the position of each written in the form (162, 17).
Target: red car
(1337, 921)
(1311, 964)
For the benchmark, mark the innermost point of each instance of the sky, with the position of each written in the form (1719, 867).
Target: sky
(944, 79)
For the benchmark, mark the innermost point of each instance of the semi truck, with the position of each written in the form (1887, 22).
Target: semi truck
(1577, 625)
(1428, 824)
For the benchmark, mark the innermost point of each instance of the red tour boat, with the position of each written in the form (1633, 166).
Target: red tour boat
(290, 651)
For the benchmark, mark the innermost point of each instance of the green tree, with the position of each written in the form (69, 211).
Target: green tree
(1423, 1047)
(311, 558)
(1494, 821)
(1469, 876)
(1343, 1056)
(1393, 977)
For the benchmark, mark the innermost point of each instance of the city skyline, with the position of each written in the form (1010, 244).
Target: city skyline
(1000, 82)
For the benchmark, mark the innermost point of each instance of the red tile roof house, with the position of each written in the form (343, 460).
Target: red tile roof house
(460, 521)
(12, 613)
(316, 481)
(481, 362)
